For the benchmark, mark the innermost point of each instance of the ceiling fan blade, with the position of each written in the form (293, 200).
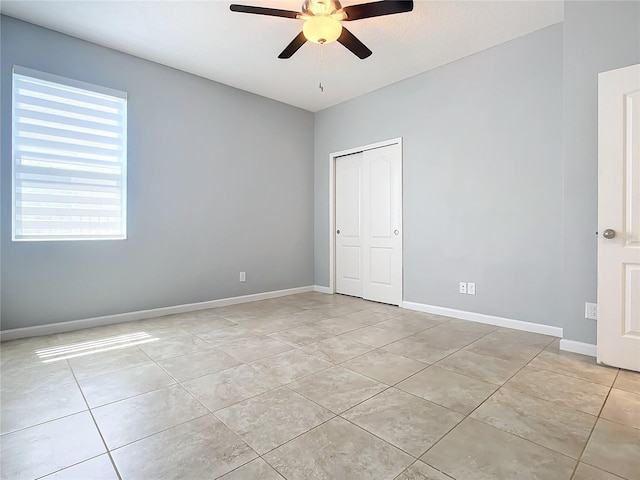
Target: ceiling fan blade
(356, 47)
(294, 46)
(272, 12)
(377, 9)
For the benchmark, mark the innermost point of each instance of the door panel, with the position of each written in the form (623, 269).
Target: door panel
(380, 179)
(619, 211)
(382, 231)
(380, 266)
(349, 224)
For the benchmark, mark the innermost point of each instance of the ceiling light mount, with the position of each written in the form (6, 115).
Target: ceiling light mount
(320, 7)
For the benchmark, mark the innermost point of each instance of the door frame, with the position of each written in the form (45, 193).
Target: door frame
(332, 205)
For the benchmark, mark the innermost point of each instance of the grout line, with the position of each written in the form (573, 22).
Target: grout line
(108, 451)
(584, 448)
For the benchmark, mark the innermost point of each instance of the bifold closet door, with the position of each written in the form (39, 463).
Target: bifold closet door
(369, 224)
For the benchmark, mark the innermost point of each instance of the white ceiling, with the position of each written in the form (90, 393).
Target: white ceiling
(206, 39)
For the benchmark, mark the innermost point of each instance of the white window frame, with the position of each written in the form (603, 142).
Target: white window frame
(94, 89)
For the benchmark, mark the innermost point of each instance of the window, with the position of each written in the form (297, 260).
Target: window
(69, 159)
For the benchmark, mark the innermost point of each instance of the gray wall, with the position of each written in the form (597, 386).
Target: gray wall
(598, 36)
(482, 177)
(220, 181)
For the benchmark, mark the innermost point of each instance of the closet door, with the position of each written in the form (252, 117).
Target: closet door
(369, 224)
(349, 224)
(382, 225)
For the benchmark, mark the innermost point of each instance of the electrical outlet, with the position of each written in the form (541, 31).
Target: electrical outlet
(471, 288)
(463, 287)
(591, 311)
(243, 276)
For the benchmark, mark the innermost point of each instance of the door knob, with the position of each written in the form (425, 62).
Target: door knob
(609, 234)
(396, 232)
(338, 232)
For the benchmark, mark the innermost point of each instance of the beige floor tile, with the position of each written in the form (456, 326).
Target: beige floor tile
(386, 367)
(203, 325)
(221, 389)
(93, 334)
(489, 369)
(338, 450)
(38, 376)
(403, 420)
(408, 324)
(628, 381)
(203, 448)
(509, 335)
(98, 468)
(370, 316)
(430, 318)
(466, 326)
(123, 384)
(337, 388)
(129, 420)
(289, 366)
(422, 471)
(614, 448)
(415, 347)
(574, 365)
(445, 337)
(308, 316)
(222, 336)
(451, 390)
(257, 469)
(622, 407)
(21, 410)
(198, 364)
(476, 451)
(272, 418)
(49, 447)
(99, 363)
(300, 336)
(587, 472)
(181, 344)
(553, 426)
(336, 349)
(255, 348)
(23, 353)
(510, 351)
(374, 336)
(337, 326)
(568, 391)
(277, 323)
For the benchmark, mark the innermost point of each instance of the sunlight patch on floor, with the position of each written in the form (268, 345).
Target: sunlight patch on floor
(53, 354)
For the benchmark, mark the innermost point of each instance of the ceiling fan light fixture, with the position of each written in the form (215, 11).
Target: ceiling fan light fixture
(322, 29)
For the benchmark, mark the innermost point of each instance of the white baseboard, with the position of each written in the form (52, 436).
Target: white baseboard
(321, 289)
(143, 314)
(579, 347)
(489, 319)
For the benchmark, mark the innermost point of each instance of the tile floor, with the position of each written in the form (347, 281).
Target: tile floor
(312, 386)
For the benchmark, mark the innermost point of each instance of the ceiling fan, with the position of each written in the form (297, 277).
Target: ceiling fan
(322, 21)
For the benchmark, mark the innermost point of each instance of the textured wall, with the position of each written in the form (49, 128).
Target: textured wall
(598, 36)
(482, 177)
(219, 181)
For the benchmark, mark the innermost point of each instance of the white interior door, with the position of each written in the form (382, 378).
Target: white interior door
(619, 218)
(382, 209)
(368, 216)
(349, 237)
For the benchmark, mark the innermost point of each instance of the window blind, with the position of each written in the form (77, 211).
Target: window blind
(69, 159)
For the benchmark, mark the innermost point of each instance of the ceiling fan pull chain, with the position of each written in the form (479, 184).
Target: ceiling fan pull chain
(320, 86)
